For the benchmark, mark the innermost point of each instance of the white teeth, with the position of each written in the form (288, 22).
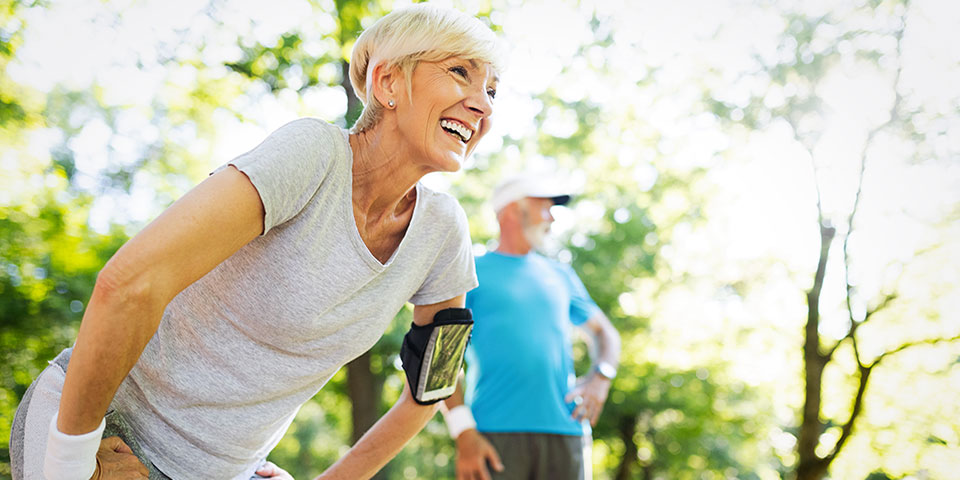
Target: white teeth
(464, 132)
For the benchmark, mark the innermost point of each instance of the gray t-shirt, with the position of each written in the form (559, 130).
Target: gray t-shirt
(240, 350)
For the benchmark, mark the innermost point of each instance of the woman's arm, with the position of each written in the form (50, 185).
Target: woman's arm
(186, 241)
(404, 420)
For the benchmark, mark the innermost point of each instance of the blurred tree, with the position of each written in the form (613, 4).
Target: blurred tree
(47, 259)
(813, 49)
(12, 113)
(817, 352)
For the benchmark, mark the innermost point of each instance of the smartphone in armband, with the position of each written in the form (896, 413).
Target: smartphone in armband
(433, 354)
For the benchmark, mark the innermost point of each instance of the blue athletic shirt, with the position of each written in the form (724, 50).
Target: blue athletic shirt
(519, 365)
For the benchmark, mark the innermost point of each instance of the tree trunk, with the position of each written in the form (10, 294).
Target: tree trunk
(364, 390)
(810, 466)
(812, 471)
(627, 430)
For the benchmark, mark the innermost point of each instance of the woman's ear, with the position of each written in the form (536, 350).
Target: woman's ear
(387, 84)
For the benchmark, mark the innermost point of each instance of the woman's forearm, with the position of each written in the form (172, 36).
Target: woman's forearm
(404, 420)
(383, 441)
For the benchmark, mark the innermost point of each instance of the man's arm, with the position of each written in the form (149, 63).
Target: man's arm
(473, 450)
(404, 420)
(605, 337)
(593, 388)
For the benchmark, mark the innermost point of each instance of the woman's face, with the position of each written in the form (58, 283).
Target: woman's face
(450, 112)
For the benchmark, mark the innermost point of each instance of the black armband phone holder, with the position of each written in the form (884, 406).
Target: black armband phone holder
(432, 355)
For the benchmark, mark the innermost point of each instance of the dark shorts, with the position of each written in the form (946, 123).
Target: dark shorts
(540, 456)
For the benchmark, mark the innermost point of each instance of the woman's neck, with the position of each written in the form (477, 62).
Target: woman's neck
(384, 176)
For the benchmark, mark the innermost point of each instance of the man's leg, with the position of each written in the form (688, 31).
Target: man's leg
(561, 458)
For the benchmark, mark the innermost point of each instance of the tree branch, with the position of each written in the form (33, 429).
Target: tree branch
(890, 297)
(928, 341)
(857, 407)
(865, 371)
(854, 325)
(819, 465)
(894, 115)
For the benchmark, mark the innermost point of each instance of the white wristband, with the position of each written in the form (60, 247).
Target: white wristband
(459, 419)
(70, 457)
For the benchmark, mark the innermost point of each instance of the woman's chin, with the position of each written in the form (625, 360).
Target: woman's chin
(452, 163)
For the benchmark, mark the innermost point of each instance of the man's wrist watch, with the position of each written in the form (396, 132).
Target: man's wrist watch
(606, 370)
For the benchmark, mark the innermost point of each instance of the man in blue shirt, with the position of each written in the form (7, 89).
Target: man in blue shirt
(528, 415)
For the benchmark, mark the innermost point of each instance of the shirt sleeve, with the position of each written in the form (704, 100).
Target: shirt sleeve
(453, 272)
(582, 307)
(289, 166)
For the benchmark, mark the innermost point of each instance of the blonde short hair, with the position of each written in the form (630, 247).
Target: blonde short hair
(409, 35)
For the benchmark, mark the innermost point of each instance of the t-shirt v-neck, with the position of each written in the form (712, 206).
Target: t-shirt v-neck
(362, 249)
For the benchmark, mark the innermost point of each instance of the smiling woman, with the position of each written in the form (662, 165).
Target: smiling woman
(298, 254)
(396, 42)
(423, 87)
(446, 113)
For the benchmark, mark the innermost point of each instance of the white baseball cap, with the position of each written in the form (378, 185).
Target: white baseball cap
(528, 185)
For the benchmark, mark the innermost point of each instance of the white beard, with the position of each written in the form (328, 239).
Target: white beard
(536, 235)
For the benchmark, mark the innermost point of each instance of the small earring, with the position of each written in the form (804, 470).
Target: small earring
(391, 104)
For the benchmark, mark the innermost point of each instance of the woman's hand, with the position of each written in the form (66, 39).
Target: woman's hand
(115, 461)
(271, 470)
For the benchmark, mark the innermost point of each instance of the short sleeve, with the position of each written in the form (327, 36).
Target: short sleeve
(289, 166)
(453, 273)
(582, 307)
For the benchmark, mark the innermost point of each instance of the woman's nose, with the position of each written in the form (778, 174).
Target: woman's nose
(480, 102)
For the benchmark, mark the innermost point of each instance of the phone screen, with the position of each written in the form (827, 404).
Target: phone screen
(445, 353)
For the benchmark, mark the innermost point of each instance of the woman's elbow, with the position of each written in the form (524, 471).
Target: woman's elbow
(121, 286)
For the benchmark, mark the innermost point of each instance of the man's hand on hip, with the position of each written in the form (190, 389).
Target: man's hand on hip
(592, 394)
(473, 453)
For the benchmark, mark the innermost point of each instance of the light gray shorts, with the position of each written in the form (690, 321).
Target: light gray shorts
(28, 435)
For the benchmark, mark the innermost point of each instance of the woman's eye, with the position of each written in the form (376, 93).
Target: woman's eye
(492, 93)
(459, 71)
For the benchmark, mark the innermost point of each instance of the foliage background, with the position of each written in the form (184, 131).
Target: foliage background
(708, 141)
